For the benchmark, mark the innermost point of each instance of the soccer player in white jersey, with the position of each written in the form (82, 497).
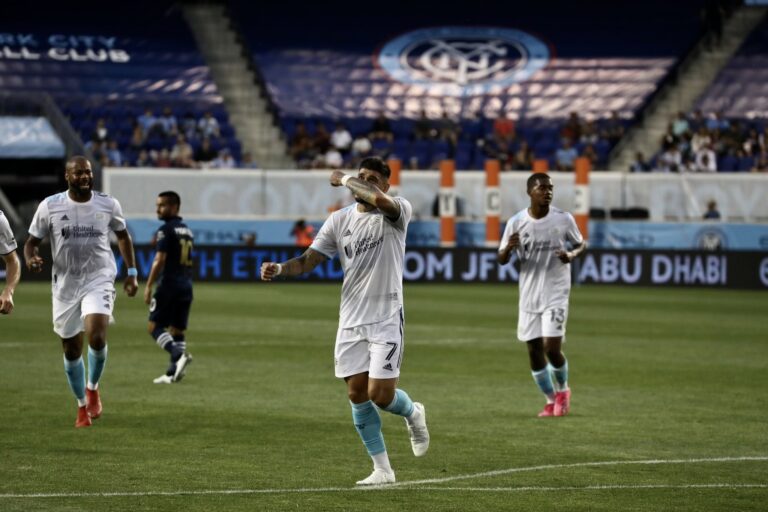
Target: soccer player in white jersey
(541, 235)
(78, 223)
(12, 265)
(369, 238)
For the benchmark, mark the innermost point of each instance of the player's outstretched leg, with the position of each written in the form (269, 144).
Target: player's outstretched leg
(165, 341)
(75, 371)
(415, 418)
(96, 361)
(368, 424)
(543, 379)
(563, 392)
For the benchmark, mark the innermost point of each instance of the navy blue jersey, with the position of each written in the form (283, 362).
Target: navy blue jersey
(175, 239)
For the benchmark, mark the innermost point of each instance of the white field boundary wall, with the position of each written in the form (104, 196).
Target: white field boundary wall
(250, 194)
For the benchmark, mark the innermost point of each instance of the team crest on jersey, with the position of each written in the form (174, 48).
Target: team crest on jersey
(66, 232)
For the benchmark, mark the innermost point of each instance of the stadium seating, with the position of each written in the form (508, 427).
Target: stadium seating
(614, 69)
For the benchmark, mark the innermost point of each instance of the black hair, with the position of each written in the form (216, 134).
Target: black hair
(173, 196)
(74, 161)
(374, 163)
(533, 178)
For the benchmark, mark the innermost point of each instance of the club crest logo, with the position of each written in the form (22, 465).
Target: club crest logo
(463, 61)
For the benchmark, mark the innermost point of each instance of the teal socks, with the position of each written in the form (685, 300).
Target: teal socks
(368, 425)
(561, 376)
(96, 361)
(402, 405)
(543, 379)
(75, 371)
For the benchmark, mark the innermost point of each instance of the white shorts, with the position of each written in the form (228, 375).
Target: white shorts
(374, 348)
(549, 324)
(68, 316)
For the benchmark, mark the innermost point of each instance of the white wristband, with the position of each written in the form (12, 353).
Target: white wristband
(345, 179)
(279, 269)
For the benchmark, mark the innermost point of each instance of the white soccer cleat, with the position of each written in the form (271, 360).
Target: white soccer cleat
(417, 429)
(163, 379)
(181, 365)
(379, 477)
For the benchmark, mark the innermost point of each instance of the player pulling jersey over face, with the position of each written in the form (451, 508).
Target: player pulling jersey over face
(540, 235)
(369, 238)
(78, 223)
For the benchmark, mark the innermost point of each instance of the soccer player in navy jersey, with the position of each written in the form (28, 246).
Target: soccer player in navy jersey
(78, 223)
(172, 270)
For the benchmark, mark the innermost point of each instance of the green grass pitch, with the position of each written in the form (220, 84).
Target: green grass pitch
(670, 409)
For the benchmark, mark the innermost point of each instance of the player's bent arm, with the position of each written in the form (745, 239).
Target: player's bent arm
(12, 276)
(369, 193)
(158, 264)
(293, 267)
(504, 255)
(31, 257)
(569, 256)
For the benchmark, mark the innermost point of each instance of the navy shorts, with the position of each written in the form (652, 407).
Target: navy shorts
(170, 307)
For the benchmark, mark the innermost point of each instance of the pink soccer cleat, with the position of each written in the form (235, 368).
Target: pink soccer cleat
(83, 420)
(93, 403)
(562, 403)
(547, 411)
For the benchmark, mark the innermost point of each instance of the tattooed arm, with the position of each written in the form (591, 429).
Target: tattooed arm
(367, 188)
(293, 267)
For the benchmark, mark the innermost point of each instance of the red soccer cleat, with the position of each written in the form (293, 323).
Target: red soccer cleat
(94, 403)
(83, 420)
(562, 403)
(547, 411)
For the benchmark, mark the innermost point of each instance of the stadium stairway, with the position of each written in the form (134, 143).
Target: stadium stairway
(235, 80)
(694, 75)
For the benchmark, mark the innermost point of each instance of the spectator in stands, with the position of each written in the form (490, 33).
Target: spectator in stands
(565, 156)
(523, 157)
(700, 139)
(189, 126)
(205, 154)
(680, 124)
(504, 128)
(161, 158)
(640, 164)
(589, 133)
(341, 139)
(669, 139)
(303, 233)
(717, 121)
(143, 159)
(688, 165)
(247, 162)
(712, 212)
(148, 123)
(114, 155)
(572, 128)
(381, 129)
(137, 137)
(751, 143)
(208, 126)
(224, 160)
(590, 154)
(706, 160)
(423, 129)
(182, 153)
(332, 159)
(614, 128)
(361, 148)
(300, 147)
(321, 140)
(670, 160)
(168, 123)
(100, 132)
(495, 148)
(696, 121)
(98, 150)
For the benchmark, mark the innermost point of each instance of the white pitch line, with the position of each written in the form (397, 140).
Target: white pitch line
(419, 484)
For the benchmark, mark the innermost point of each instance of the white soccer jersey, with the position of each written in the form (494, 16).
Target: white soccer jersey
(545, 281)
(7, 241)
(82, 257)
(371, 249)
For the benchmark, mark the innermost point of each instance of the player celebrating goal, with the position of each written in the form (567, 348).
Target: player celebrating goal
(540, 234)
(369, 238)
(78, 222)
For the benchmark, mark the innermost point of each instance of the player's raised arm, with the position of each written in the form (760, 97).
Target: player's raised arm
(505, 253)
(293, 267)
(367, 188)
(569, 256)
